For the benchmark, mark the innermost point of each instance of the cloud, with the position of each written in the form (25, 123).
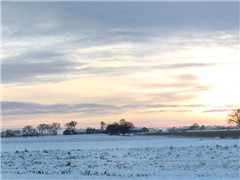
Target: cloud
(82, 24)
(35, 56)
(185, 77)
(40, 66)
(217, 110)
(173, 81)
(80, 16)
(121, 70)
(174, 95)
(184, 110)
(54, 42)
(30, 72)
(29, 108)
(145, 112)
(157, 111)
(163, 105)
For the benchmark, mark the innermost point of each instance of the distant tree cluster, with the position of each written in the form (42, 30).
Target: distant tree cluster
(48, 129)
(29, 131)
(71, 128)
(11, 133)
(193, 127)
(123, 127)
(91, 131)
(42, 129)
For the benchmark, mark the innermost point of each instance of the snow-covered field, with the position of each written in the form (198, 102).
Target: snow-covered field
(118, 157)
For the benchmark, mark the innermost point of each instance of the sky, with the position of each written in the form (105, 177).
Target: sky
(156, 64)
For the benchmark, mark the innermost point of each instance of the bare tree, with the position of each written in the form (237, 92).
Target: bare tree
(9, 133)
(71, 125)
(70, 128)
(48, 129)
(55, 127)
(194, 126)
(41, 128)
(234, 117)
(29, 131)
(103, 124)
(125, 126)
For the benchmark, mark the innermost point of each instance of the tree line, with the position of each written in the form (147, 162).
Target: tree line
(41, 129)
(28, 130)
(122, 127)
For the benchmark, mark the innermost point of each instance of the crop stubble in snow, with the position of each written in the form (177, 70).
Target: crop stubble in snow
(215, 161)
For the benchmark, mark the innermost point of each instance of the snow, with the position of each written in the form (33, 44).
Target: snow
(136, 128)
(80, 130)
(119, 157)
(214, 130)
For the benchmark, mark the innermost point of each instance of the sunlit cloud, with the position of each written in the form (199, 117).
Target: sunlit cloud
(217, 110)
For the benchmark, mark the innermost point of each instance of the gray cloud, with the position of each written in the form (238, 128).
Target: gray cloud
(35, 56)
(20, 72)
(183, 65)
(75, 16)
(97, 23)
(40, 66)
(28, 108)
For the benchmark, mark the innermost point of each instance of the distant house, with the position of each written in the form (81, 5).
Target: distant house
(173, 130)
(3, 134)
(18, 133)
(69, 132)
(80, 131)
(139, 130)
(154, 130)
(195, 126)
(186, 127)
